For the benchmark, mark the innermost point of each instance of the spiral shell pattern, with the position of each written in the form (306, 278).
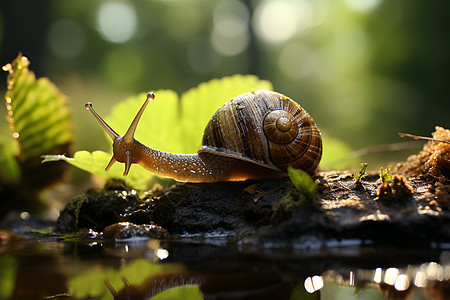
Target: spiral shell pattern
(266, 128)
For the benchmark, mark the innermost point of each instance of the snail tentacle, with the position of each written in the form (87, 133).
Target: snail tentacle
(112, 134)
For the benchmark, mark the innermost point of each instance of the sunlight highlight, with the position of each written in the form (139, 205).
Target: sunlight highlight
(277, 21)
(161, 253)
(402, 282)
(313, 284)
(391, 276)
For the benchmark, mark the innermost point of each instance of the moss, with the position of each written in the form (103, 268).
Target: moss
(98, 208)
(291, 202)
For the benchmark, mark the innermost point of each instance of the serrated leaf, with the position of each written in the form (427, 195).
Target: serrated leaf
(39, 123)
(303, 182)
(158, 127)
(37, 112)
(95, 163)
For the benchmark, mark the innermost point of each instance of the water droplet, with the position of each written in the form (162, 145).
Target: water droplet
(7, 68)
(15, 135)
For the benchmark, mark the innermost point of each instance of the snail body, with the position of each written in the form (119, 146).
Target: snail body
(255, 135)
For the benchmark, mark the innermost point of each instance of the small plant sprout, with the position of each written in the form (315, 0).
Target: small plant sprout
(361, 174)
(385, 175)
(303, 182)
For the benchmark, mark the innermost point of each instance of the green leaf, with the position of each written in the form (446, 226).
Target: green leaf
(385, 174)
(96, 162)
(39, 123)
(303, 182)
(37, 112)
(159, 126)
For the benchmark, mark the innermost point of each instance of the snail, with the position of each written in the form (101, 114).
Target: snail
(255, 135)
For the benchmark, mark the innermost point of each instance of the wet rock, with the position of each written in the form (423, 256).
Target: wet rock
(98, 208)
(126, 230)
(410, 210)
(221, 207)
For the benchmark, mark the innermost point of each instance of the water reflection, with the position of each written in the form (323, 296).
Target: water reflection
(97, 269)
(313, 284)
(240, 285)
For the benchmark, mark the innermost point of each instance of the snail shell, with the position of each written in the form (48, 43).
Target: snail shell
(265, 128)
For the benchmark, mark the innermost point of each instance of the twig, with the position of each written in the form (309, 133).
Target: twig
(418, 137)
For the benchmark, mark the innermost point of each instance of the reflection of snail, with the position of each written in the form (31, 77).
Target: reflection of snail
(255, 135)
(225, 285)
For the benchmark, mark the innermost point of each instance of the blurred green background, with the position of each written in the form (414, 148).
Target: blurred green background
(364, 69)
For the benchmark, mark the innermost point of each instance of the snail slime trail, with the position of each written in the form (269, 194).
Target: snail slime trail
(255, 135)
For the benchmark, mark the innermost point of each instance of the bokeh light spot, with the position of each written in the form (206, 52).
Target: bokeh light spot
(230, 36)
(66, 39)
(402, 282)
(117, 21)
(377, 275)
(275, 21)
(226, 9)
(313, 284)
(162, 253)
(391, 275)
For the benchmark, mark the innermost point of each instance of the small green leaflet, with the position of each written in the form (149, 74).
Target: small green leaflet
(303, 182)
(385, 174)
(361, 174)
